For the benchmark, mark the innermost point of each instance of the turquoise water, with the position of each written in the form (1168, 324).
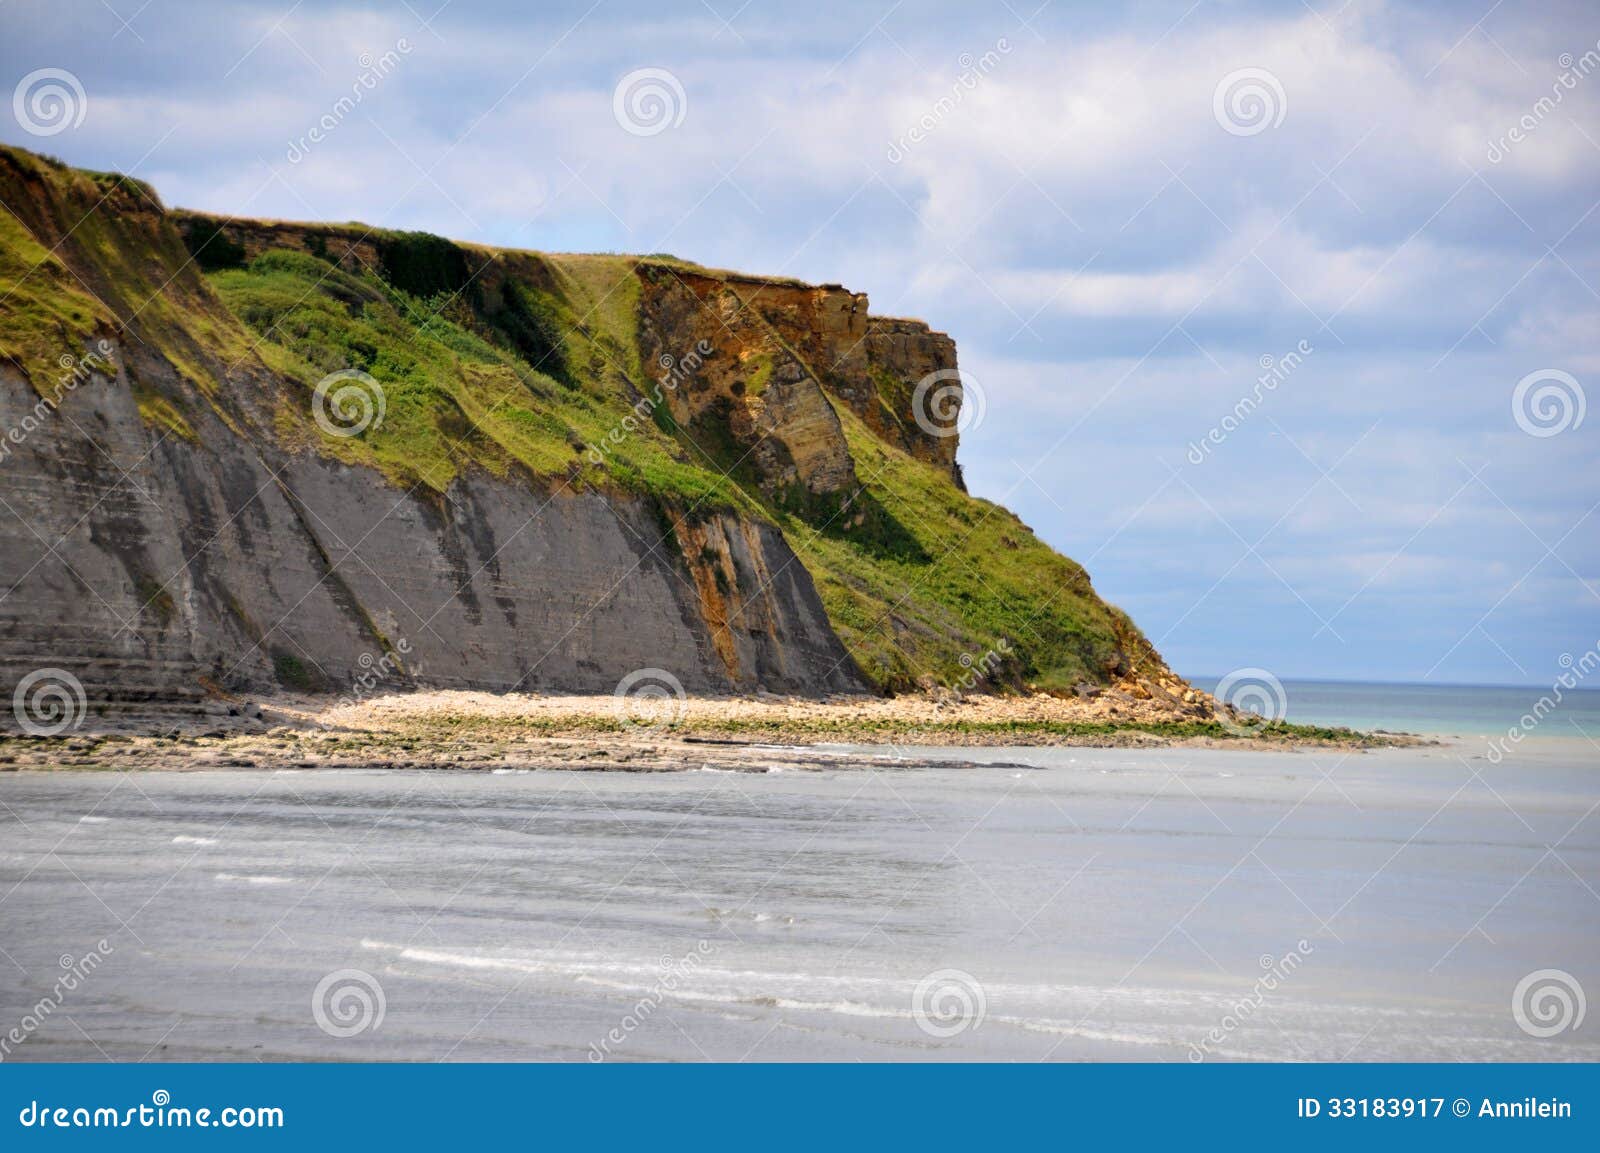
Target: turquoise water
(1456, 710)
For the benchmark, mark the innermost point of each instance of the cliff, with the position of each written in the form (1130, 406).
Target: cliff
(244, 454)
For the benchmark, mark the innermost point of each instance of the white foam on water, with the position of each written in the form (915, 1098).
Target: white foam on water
(559, 964)
(182, 839)
(93, 820)
(856, 995)
(252, 879)
(1149, 1017)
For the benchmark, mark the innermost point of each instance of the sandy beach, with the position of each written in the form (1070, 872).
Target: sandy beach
(472, 730)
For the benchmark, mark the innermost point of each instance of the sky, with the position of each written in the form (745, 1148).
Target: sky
(1282, 319)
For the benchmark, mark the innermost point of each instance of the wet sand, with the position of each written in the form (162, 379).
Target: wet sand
(910, 903)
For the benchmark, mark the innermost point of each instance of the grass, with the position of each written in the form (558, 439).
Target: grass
(976, 575)
(294, 674)
(86, 254)
(48, 314)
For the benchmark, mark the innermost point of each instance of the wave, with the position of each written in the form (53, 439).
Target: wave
(253, 879)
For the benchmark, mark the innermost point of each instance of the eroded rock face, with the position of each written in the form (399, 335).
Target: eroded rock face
(150, 566)
(747, 579)
(906, 353)
(727, 370)
(873, 364)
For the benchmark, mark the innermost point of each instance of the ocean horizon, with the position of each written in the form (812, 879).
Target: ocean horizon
(1433, 709)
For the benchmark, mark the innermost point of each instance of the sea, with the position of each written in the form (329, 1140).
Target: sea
(1436, 902)
(1439, 709)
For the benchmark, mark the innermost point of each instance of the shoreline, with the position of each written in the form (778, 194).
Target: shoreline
(475, 731)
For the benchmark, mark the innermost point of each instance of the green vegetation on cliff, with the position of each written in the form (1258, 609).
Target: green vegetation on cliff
(532, 367)
(981, 595)
(461, 385)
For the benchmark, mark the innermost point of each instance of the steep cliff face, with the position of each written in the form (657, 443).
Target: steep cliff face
(242, 454)
(151, 565)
